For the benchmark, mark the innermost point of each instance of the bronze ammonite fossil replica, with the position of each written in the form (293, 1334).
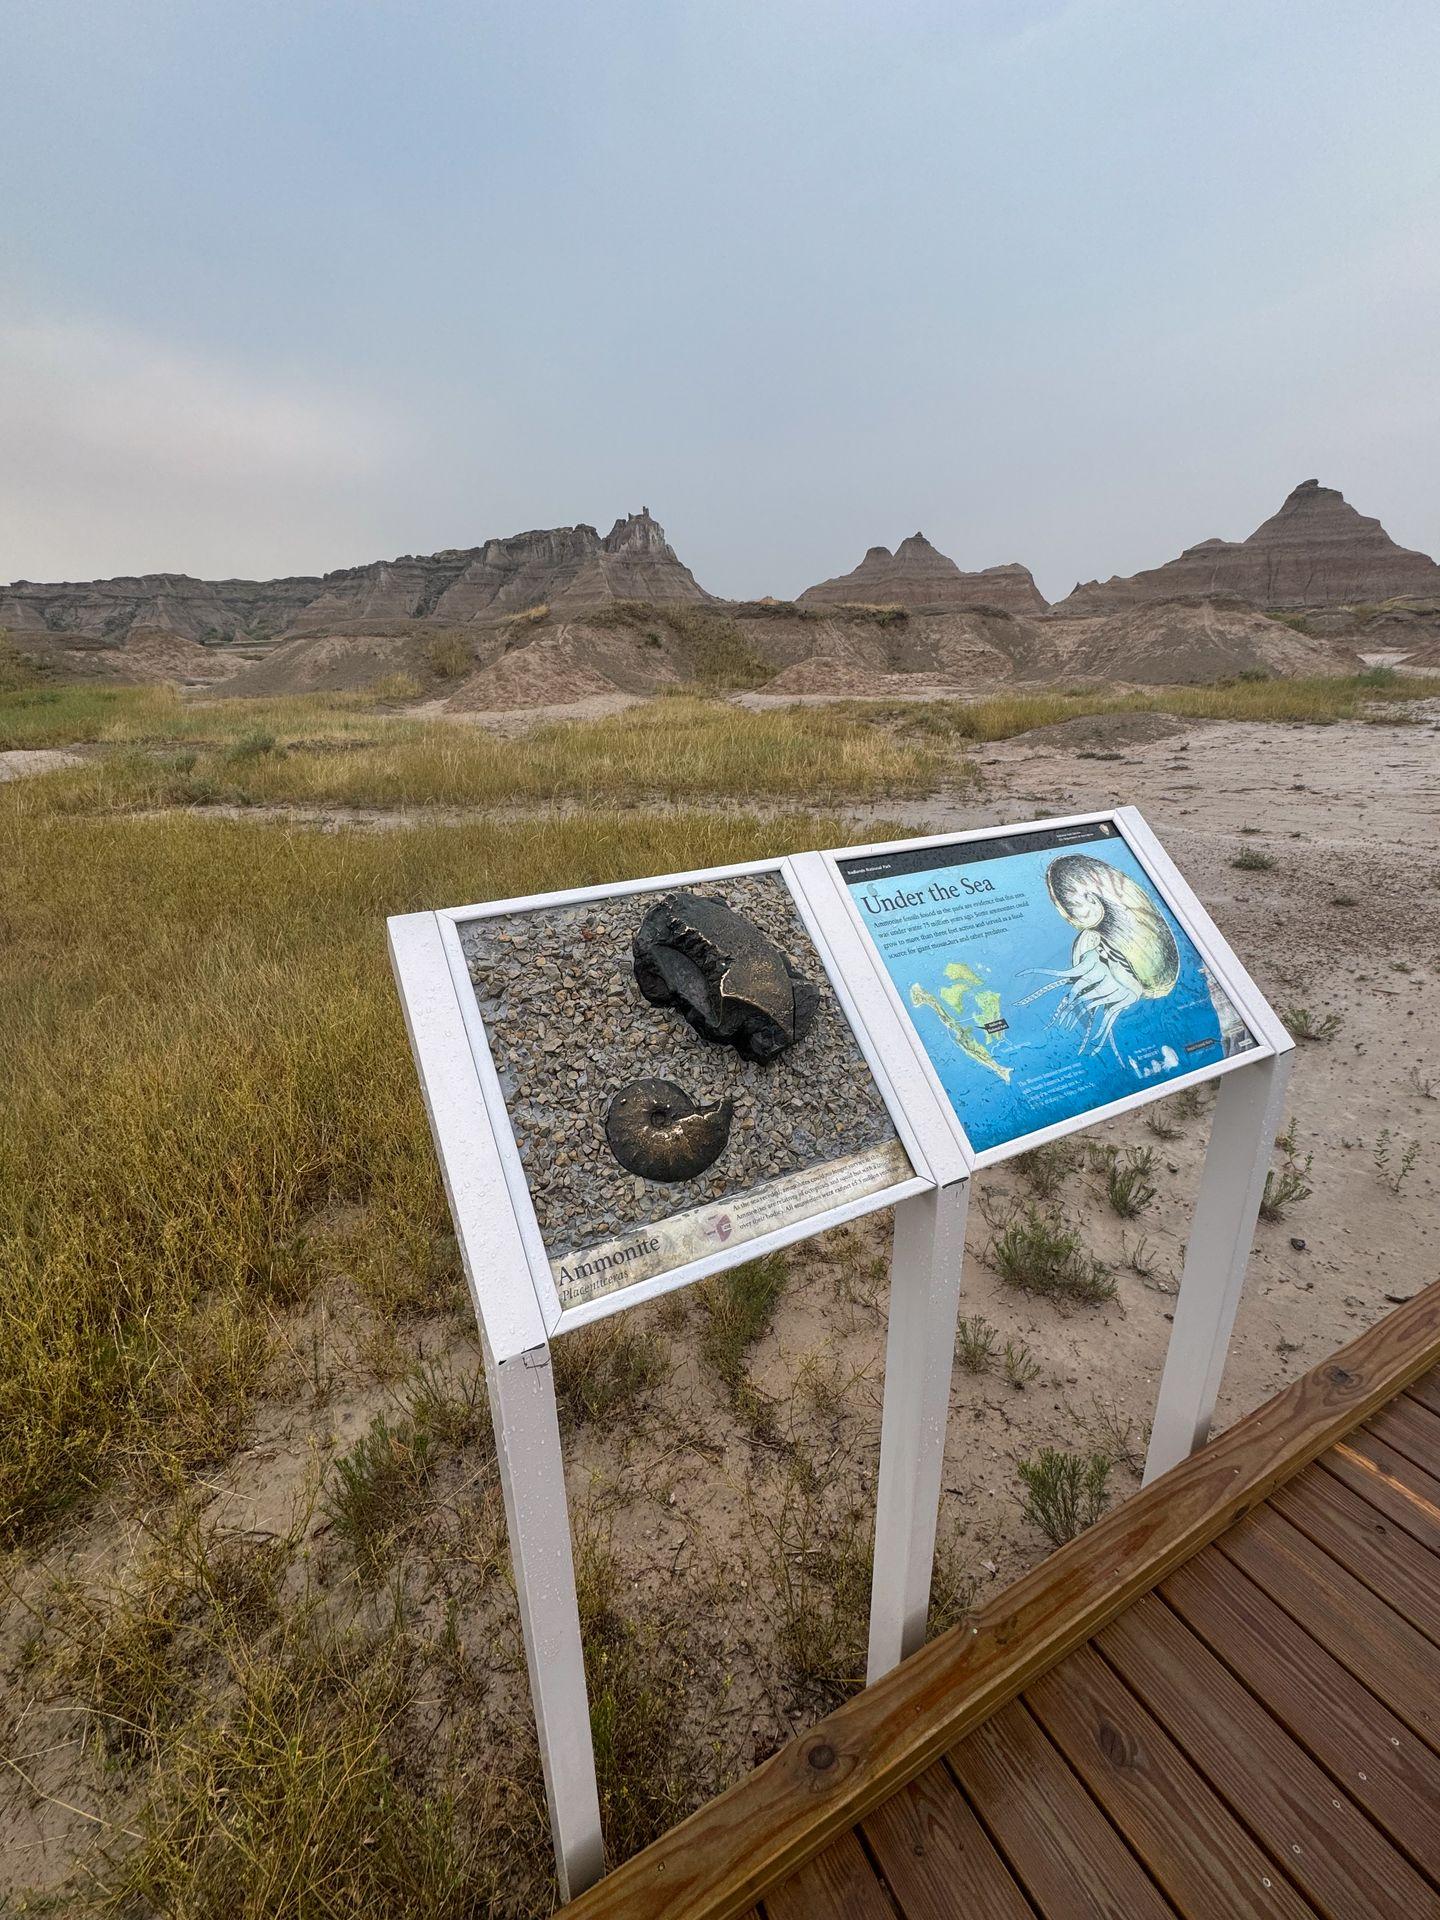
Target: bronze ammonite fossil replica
(734, 986)
(656, 1130)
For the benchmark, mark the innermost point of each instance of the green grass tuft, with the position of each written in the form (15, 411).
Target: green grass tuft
(1064, 1492)
(1039, 1255)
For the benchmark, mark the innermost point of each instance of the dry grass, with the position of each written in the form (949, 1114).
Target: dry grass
(1041, 1255)
(310, 753)
(205, 1077)
(1310, 699)
(340, 750)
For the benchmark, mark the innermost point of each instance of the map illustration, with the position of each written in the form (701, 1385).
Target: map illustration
(972, 1039)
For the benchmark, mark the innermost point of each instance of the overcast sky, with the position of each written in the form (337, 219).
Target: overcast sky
(285, 287)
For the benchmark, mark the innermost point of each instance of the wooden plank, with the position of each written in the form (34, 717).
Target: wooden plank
(1336, 1857)
(1404, 1574)
(717, 1862)
(1412, 1430)
(1200, 1854)
(1426, 1390)
(1429, 1422)
(1390, 1482)
(1375, 1757)
(1060, 1846)
(838, 1884)
(1399, 1665)
(937, 1859)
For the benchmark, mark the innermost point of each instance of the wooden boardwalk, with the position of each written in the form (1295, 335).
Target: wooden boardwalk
(1223, 1700)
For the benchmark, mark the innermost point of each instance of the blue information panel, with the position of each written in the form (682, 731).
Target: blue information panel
(1044, 974)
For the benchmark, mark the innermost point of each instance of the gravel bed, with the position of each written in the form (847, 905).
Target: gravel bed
(568, 1027)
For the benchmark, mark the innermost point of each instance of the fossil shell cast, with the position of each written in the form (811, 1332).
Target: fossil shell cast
(656, 1130)
(733, 985)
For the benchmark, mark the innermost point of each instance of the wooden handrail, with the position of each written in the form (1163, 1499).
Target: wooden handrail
(714, 1865)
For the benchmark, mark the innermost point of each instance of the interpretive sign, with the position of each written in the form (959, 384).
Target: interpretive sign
(1044, 972)
(678, 1075)
(634, 1086)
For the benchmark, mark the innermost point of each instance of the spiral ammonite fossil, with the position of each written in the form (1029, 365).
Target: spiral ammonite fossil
(656, 1130)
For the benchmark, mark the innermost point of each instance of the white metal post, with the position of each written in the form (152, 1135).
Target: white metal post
(532, 1476)
(925, 1266)
(1249, 1107)
(521, 1385)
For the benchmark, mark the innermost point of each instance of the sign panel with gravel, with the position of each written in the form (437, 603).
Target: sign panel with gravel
(674, 1077)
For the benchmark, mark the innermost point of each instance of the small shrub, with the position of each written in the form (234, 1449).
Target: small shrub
(1427, 1085)
(1138, 1258)
(1395, 1159)
(1039, 1255)
(1021, 1367)
(254, 745)
(822, 1539)
(1157, 1123)
(454, 1413)
(117, 1661)
(1064, 1492)
(1127, 1182)
(450, 657)
(396, 688)
(530, 616)
(1118, 1434)
(739, 1306)
(635, 1668)
(1047, 1168)
(377, 1491)
(606, 1368)
(1285, 1187)
(1306, 1025)
(975, 1343)
(1251, 860)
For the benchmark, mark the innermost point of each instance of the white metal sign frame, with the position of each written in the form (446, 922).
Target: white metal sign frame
(518, 1309)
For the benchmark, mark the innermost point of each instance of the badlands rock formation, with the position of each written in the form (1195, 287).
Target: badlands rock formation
(918, 576)
(1317, 551)
(107, 610)
(570, 568)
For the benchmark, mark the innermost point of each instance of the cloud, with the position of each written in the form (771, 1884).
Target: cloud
(116, 440)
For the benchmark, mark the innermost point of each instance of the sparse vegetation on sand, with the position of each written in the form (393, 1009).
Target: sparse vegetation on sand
(211, 1142)
(156, 749)
(1314, 699)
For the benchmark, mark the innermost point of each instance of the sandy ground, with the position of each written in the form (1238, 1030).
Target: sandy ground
(23, 763)
(709, 1522)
